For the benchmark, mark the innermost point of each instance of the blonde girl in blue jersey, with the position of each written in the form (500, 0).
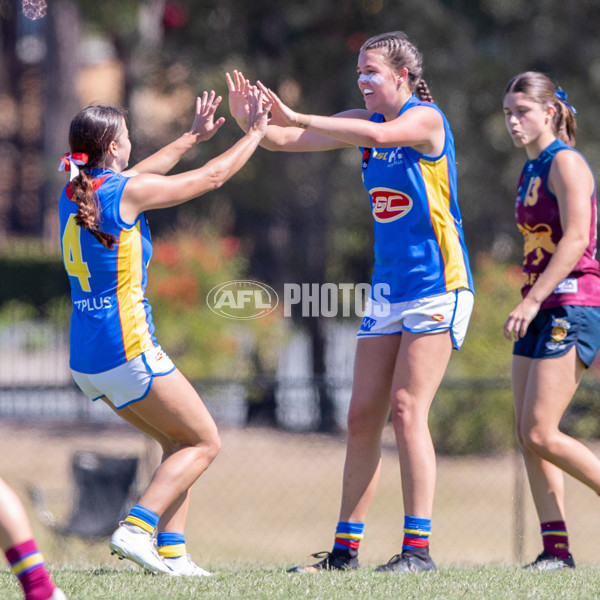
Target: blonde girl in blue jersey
(114, 354)
(422, 292)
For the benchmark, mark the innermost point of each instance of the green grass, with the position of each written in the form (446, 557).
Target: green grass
(263, 584)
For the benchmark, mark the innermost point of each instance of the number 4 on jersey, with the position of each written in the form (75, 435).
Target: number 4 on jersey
(73, 259)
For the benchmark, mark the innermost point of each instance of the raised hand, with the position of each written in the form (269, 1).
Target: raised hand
(204, 125)
(281, 114)
(239, 88)
(258, 111)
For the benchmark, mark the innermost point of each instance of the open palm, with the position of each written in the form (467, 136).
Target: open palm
(204, 125)
(239, 88)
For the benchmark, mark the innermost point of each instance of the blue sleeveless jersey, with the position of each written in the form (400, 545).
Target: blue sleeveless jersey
(111, 321)
(419, 241)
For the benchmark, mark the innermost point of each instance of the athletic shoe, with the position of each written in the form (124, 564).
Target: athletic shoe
(330, 562)
(184, 566)
(137, 545)
(548, 562)
(407, 563)
(58, 595)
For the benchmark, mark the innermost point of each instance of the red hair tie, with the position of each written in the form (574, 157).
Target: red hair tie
(71, 163)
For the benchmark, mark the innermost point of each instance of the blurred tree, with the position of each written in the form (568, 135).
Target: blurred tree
(303, 218)
(21, 96)
(61, 78)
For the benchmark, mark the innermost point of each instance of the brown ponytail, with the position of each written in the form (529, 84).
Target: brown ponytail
(422, 91)
(564, 123)
(88, 214)
(91, 132)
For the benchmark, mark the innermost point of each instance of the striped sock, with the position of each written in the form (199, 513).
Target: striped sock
(142, 517)
(416, 535)
(27, 563)
(555, 538)
(347, 537)
(171, 545)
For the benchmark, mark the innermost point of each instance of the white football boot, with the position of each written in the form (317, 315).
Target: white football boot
(139, 546)
(58, 595)
(184, 566)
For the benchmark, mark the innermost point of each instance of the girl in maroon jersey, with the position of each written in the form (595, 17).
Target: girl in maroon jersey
(556, 326)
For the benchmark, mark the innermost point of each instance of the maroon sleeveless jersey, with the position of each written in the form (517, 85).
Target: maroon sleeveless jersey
(538, 219)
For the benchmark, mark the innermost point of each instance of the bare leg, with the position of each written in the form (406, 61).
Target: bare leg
(420, 367)
(175, 416)
(551, 384)
(545, 478)
(368, 413)
(14, 523)
(16, 541)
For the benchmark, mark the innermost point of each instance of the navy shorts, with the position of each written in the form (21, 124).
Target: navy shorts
(555, 331)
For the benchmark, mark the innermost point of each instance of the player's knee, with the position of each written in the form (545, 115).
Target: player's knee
(536, 439)
(206, 444)
(404, 413)
(212, 445)
(361, 421)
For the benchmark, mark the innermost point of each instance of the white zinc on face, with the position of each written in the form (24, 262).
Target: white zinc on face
(371, 78)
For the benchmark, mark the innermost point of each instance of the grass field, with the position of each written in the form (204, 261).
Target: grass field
(262, 584)
(271, 498)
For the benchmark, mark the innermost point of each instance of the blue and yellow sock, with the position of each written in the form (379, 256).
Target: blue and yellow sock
(416, 535)
(171, 545)
(347, 537)
(142, 517)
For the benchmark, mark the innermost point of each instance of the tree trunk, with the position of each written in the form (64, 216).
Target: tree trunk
(60, 103)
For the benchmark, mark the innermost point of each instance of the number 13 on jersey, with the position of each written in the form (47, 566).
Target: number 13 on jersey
(74, 263)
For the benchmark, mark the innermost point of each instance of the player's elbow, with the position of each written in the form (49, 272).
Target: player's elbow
(578, 242)
(377, 139)
(271, 145)
(216, 176)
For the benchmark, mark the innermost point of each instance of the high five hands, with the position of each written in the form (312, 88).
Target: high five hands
(247, 103)
(240, 87)
(258, 108)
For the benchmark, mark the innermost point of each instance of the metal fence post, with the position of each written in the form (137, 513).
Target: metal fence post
(519, 508)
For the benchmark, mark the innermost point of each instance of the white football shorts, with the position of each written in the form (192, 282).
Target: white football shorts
(450, 311)
(128, 382)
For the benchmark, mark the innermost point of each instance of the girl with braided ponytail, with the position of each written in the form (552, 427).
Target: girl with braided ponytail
(556, 326)
(422, 289)
(114, 355)
(92, 129)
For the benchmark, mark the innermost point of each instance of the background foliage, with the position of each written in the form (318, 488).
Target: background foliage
(284, 217)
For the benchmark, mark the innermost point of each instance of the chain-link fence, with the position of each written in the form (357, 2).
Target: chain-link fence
(272, 496)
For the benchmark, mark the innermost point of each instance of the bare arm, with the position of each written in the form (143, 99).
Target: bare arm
(572, 183)
(278, 137)
(150, 191)
(421, 128)
(203, 128)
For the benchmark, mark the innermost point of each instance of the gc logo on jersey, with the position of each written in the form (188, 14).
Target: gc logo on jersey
(389, 205)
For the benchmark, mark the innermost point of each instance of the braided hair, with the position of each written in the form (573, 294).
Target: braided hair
(401, 54)
(91, 132)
